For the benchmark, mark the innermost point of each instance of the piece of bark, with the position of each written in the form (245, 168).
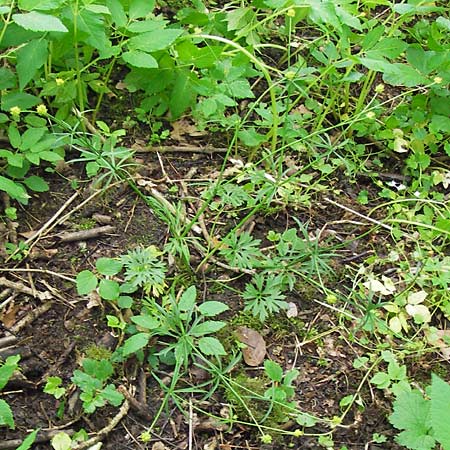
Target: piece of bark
(20, 287)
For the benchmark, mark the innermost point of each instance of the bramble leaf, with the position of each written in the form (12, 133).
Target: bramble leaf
(36, 21)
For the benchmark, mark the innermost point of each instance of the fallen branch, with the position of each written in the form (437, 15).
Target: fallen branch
(20, 287)
(42, 436)
(106, 430)
(31, 317)
(85, 234)
(141, 409)
(179, 149)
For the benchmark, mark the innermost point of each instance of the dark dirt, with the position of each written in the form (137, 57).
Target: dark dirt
(56, 341)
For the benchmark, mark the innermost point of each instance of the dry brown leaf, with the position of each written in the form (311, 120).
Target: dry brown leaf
(255, 350)
(182, 128)
(159, 446)
(442, 343)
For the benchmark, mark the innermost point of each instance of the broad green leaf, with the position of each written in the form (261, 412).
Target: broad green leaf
(403, 75)
(125, 302)
(92, 27)
(145, 321)
(188, 299)
(50, 156)
(425, 61)
(211, 346)
(100, 369)
(117, 12)
(14, 136)
(31, 137)
(108, 266)
(36, 21)
(443, 23)
(36, 184)
(273, 370)
(412, 414)
(251, 138)
(240, 89)
(61, 441)
(7, 369)
(154, 40)
(109, 289)
(207, 327)
(14, 190)
(381, 380)
(145, 26)
(86, 282)
(6, 416)
(28, 441)
(440, 123)
(41, 5)
(20, 99)
(183, 94)
(7, 78)
(440, 410)
(135, 343)
(140, 8)
(137, 58)
(111, 394)
(387, 48)
(212, 308)
(30, 59)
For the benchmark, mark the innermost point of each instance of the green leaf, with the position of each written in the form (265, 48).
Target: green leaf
(411, 414)
(440, 410)
(14, 136)
(440, 123)
(211, 346)
(14, 190)
(273, 370)
(183, 94)
(50, 156)
(20, 99)
(140, 8)
(61, 441)
(137, 58)
(387, 48)
(240, 89)
(381, 380)
(135, 343)
(31, 137)
(188, 299)
(109, 289)
(117, 12)
(100, 369)
(207, 327)
(212, 308)
(125, 302)
(86, 282)
(108, 266)
(111, 394)
(30, 59)
(41, 5)
(403, 75)
(6, 416)
(53, 387)
(28, 441)
(145, 321)
(7, 369)
(154, 40)
(7, 78)
(36, 21)
(36, 184)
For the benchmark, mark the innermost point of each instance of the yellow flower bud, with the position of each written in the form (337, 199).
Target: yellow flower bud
(437, 80)
(41, 109)
(379, 88)
(15, 111)
(59, 81)
(290, 12)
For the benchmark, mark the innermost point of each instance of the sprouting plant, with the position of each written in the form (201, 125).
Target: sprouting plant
(182, 325)
(6, 372)
(241, 250)
(264, 295)
(144, 268)
(92, 380)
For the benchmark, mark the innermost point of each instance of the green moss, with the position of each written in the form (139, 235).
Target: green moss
(97, 352)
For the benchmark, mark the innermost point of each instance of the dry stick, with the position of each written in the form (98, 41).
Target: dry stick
(85, 234)
(141, 409)
(20, 287)
(45, 271)
(42, 436)
(30, 317)
(181, 149)
(106, 430)
(7, 341)
(376, 222)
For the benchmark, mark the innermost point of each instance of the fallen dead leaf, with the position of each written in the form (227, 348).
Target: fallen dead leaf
(159, 446)
(292, 310)
(443, 343)
(255, 350)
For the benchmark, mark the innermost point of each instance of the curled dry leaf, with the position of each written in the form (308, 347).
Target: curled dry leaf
(255, 350)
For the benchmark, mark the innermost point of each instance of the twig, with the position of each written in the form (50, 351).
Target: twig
(106, 430)
(181, 149)
(20, 287)
(46, 271)
(85, 234)
(140, 408)
(30, 317)
(369, 219)
(7, 341)
(42, 436)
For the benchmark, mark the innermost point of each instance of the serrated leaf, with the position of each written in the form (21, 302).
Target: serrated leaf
(135, 343)
(36, 184)
(86, 282)
(30, 58)
(154, 40)
(404, 75)
(100, 369)
(109, 289)
(137, 58)
(145, 321)
(111, 394)
(440, 410)
(31, 136)
(20, 99)
(6, 416)
(108, 266)
(207, 327)
(381, 380)
(117, 12)
(212, 308)
(41, 5)
(211, 346)
(183, 95)
(412, 414)
(36, 21)
(140, 8)
(7, 369)
(273, 370)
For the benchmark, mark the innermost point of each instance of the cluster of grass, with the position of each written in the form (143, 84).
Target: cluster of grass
(323, 104)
